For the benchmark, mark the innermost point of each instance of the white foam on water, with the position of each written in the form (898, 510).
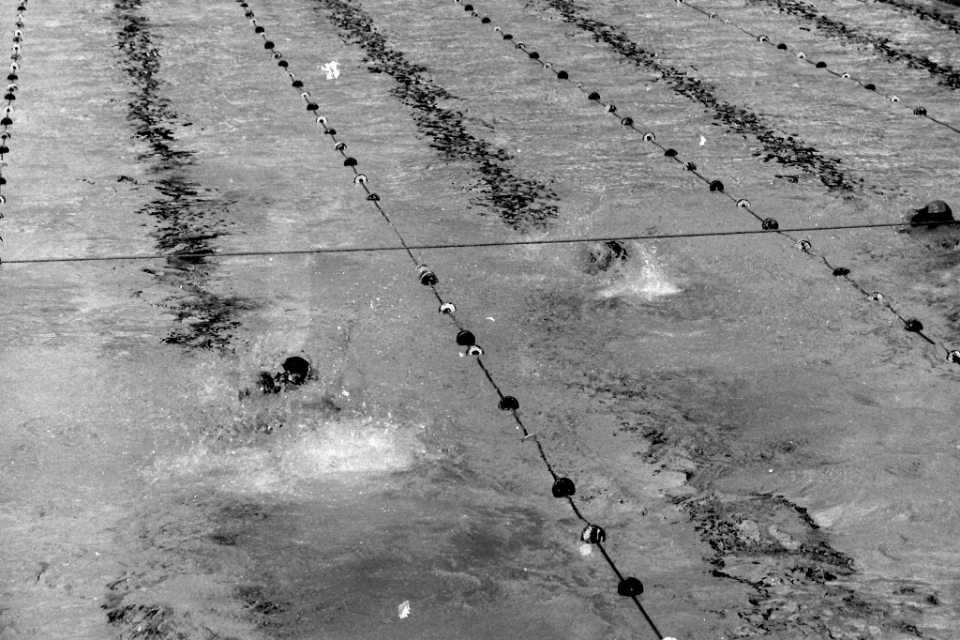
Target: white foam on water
(332, 69)
(349, 450)
(643, 276)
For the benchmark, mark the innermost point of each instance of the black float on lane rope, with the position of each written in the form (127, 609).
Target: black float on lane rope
(9, 96)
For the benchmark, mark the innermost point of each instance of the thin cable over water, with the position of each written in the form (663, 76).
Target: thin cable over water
(408, 248)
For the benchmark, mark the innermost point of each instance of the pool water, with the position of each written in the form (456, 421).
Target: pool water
(767, 448)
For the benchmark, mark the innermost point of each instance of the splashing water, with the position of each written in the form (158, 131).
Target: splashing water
(349, 450)
(644, 277)
(332, 69)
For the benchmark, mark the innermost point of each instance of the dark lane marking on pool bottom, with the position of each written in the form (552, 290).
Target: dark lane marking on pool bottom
(523, 204)
(802, 587)
(945, 75)
(186, 221)
(782, 149)
(921, 13)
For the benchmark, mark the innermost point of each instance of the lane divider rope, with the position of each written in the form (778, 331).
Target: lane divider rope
(563, 487)
(804, 245)
(869, 86)
(10, 95)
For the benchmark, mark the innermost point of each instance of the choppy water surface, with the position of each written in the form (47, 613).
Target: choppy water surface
(769, 451)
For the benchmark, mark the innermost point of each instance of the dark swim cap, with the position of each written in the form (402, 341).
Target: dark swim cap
(936, 211)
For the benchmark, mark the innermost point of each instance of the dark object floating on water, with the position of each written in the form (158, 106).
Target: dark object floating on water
(670, 153)
(593, 96)
(593, 534)
(427, 277)
(782, 46)
(690, 166)
(296, 370)
(769, 225)
(259, 30)
(509, 403)
(821, 65)
(627, 122)
(841, 271)
(270, 383)
(913, 325)
(919, 111)
(534, 55)
(630, 587)
(870, 86)
(716, 185)
(954, 357)
(466, 338)
(485, 20)
(297, 83)
(606, 255)
(617, 250)
(350, 162)
(563, 488)
(283, 63)
(932, 213)
(507, 36)
(562, 75)
(268, 45)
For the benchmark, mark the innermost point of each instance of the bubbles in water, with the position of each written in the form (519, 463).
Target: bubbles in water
(347, 450)
(332, 69)
(642, 276)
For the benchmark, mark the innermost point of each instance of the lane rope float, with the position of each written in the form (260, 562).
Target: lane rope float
(767, 223)
(759, 38)
(10, 95)
(463, 245)
(563, 488)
